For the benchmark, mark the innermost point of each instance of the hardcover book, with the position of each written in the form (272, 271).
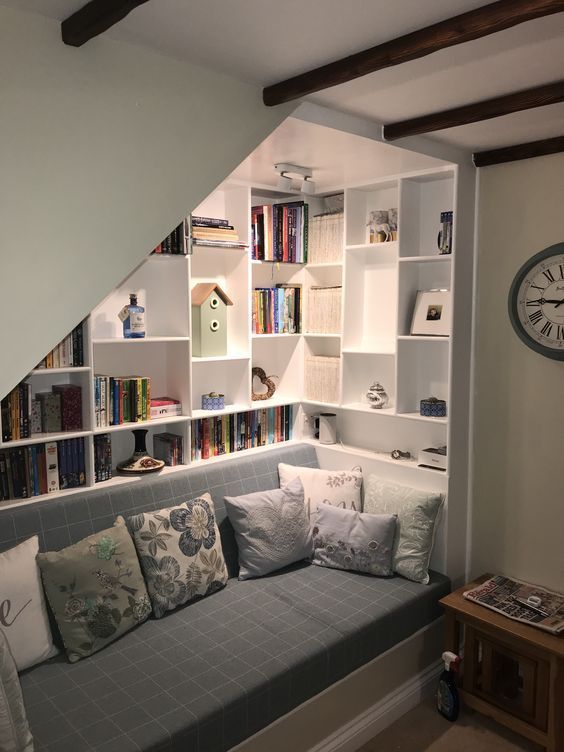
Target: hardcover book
(50, 411)
(71, 406)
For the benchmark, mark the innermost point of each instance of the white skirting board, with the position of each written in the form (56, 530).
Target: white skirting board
(367, 725)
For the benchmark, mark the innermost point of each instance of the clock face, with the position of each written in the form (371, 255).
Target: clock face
(536, 302)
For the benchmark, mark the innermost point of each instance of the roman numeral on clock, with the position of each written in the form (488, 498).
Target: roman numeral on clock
(533, 303)
(549, 275)
(561, 267)
(535, 317)
(547, 328)
(536, 287)
(560, 332)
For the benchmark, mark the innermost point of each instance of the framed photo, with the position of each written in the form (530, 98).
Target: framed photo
(432, 315)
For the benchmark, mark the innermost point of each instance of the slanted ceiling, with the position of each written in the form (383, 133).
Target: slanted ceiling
(103, 150)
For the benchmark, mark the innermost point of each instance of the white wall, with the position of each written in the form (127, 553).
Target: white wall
(518, 497)
(103, 150)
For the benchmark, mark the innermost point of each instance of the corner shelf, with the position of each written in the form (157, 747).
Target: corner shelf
(55, 371)
(426, 259)
(227, 410)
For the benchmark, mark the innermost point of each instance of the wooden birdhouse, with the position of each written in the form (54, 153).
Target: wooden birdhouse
(209, 320)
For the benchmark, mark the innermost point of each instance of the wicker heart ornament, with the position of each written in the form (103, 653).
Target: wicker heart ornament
(267, 381)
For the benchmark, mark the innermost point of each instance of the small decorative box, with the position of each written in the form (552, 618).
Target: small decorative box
(433, 408)
(213, 401)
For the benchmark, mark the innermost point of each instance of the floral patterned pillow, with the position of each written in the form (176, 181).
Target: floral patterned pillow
(180, 553)
(340, 488)
(95, 589)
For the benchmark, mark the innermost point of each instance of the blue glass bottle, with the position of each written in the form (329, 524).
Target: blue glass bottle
(134, 323)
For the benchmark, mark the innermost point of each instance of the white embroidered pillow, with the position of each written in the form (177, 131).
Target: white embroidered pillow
(340, 488)
(23, 613)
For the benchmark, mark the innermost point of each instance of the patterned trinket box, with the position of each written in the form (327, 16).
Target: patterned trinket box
(213, 401)
(433, 408)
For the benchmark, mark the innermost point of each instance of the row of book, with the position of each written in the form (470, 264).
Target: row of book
(277, 310)
(120, 400)
(168, 447)
(326, 235)
(176, 243)
(102, 457)
(224, 434)
(42, 468)
(47, 412)
(280, 232)
(69, 353)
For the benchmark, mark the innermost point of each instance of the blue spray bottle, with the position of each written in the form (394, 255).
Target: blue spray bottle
(447, 692)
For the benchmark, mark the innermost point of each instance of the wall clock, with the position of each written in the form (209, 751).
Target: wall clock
(536, 302)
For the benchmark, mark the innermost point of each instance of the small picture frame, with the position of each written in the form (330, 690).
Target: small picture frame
(432, 315)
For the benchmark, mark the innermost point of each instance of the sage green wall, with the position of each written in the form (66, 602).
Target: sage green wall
(103, 150)
(518, 493)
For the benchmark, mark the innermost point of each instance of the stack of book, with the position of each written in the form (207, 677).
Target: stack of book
(324, 310)
(67, 354)
(277, 310)
(280, 232)
(176, 242)
(49, 412)
(322, 378)
(224, 434)
(326, 234)
(42, 468)
(168, 447)
(213, 232)
(163, 407)
(102, 457)
(121, 399)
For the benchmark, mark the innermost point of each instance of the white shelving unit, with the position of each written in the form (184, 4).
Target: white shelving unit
(379, 285)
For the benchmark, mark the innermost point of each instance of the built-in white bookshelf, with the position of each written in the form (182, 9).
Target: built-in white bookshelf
(379, 284)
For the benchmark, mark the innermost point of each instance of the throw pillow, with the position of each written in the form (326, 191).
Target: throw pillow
(95, 589)
(345, 539)
(340, 488)
(180, 553)
(271, 528)
(15, 735)
(23, 612)
(417, 513)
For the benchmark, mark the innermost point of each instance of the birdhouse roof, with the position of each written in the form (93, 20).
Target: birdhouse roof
(202, 291)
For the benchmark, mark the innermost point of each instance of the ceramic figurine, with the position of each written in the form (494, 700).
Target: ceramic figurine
(377, 396)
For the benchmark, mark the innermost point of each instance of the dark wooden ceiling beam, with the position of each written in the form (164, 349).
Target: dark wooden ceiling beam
(94, 18)
(527, 99)
(519, 151)
(474, 24)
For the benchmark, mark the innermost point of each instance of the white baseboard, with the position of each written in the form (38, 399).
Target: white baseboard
(364, 727)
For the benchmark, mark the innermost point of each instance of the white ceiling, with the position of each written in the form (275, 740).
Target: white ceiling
(265, 41)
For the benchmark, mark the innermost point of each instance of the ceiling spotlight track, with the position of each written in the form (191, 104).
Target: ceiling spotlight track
(285, 183)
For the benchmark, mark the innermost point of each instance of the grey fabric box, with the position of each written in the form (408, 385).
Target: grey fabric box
(210, 674)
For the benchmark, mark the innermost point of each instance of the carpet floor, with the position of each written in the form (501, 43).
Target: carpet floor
(424, 730)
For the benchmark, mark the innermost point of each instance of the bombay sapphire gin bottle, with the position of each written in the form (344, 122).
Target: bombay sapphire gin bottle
(133, 318)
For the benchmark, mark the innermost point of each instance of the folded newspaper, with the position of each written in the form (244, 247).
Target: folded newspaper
(520, 601)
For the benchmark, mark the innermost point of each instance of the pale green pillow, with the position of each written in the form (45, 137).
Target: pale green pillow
(417, 513)
(95, 589)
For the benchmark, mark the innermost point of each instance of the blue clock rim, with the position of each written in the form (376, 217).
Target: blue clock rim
(552, 250)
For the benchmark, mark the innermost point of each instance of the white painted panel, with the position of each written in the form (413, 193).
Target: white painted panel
(104, 149)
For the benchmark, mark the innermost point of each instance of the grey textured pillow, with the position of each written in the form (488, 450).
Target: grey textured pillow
(345, 539)
(417, 513)
(271, 528)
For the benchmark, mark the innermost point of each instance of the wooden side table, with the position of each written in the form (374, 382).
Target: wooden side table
(511, 672)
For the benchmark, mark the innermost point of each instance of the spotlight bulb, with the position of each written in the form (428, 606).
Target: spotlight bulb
(284, 183)
(308, 186)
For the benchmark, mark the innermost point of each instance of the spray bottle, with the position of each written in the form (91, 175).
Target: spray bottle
(447, 693)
